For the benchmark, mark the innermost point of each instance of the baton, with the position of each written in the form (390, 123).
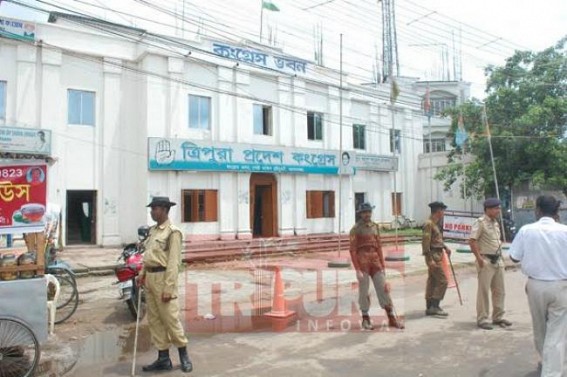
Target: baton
(455, 278)
(133, 372)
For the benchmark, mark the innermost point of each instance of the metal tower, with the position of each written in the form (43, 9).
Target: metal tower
(390, 60)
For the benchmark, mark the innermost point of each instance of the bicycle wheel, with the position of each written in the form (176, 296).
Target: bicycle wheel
(69, 296)
(68, 285)
(19, 349)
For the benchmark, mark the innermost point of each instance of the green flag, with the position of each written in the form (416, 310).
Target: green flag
(394, 91)
(270, 6)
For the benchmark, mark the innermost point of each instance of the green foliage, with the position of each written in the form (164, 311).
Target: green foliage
(526, 108)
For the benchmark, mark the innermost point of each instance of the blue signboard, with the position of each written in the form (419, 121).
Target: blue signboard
(180, 154)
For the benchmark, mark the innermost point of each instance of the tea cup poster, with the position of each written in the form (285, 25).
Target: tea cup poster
(23, 190)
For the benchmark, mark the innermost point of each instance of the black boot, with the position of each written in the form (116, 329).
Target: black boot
(163, 362)
(186, 365)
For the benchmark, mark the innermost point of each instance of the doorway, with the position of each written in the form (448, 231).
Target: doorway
(359, 198)
(81, 217)
(263, 205)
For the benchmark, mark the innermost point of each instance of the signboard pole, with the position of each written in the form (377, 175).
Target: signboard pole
(340, 262)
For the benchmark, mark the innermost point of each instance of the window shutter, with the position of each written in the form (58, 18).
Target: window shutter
(211, 205)
(309, 203)
(332, 204)
(317, 204)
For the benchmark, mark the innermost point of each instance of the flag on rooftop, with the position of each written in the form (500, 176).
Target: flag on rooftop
(268, 5)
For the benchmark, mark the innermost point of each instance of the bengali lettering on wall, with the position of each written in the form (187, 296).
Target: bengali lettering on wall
(255, 57)
(181, 154)
(23, 190)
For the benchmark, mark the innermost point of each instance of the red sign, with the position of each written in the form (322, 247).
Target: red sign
(23, 191)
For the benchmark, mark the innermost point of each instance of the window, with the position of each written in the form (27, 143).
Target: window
(314, 126)
(199, 112)
(320, 204)
(359, 136)
(438, 105)
(2, 99)
(81, 107)
(262, 120)
(437, 145)
(200, 206)
(395, 141)
(396, 203)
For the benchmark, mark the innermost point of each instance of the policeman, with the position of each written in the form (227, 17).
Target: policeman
(159, 276)
(433, 248)
(486, 244)
(368, 260)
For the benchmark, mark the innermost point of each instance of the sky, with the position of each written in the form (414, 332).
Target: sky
(435, 37)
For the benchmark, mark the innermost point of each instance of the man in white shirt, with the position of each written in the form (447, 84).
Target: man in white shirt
(541, 247)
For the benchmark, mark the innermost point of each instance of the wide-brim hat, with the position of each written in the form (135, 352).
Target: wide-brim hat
(437, 205)
(161, 201)
(365, 207)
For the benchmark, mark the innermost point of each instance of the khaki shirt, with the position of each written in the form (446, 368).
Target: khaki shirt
(487, 233)
(432, 240)
(163, 249)
(365, 246)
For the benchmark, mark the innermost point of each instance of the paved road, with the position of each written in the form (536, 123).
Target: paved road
(429, 347)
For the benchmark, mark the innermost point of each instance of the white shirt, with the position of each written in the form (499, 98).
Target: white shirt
(541, 247)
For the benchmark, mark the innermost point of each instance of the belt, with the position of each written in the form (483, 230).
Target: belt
(155, 269)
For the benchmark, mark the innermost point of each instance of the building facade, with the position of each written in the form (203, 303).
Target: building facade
(247, 140)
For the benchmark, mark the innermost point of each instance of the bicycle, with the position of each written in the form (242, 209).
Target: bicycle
(19, 348)
(403, 222)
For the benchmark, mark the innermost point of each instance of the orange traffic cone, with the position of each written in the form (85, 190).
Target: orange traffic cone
(447, 271)
(279, 307)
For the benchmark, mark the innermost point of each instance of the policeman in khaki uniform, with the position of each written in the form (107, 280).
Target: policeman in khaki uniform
(433, 248)
(486, 244)
(368, 260)
(159, 276)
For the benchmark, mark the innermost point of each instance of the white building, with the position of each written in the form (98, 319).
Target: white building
(246, 139)
(442, 95)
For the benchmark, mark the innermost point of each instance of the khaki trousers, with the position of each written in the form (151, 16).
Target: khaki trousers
(379, 280)
(548, 306)
(490, 283)
(163, 318)
(436, 283)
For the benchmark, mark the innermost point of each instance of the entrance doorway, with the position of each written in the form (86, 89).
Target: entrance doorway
(81, 217)
(263, 205)
(359, 198)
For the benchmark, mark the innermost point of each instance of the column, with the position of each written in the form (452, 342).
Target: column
(300, 181)
(225, 127)
(26, 113)
(286, 205)
(243, 212)
(110, 178)
(244, 126)
(228, 205)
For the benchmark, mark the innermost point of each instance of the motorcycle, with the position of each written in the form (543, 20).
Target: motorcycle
(126, 273)
(509, 226)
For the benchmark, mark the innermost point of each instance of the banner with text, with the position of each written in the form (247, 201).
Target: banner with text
(180, 154)
(25, 140)
(16, 29)
(458, 227)
(23, 191)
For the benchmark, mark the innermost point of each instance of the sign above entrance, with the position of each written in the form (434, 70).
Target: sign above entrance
(179, 154)
(374, 162)
(25, 140)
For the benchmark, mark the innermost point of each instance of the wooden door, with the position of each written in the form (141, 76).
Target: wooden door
(263, 205)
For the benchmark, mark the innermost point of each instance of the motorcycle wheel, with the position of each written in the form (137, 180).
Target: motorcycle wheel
(132, 303)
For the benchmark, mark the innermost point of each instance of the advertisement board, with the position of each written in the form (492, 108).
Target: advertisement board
(23, 191)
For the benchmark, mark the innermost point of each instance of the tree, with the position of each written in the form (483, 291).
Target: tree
(526, 110)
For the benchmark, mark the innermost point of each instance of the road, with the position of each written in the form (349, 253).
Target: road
(429, 347)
